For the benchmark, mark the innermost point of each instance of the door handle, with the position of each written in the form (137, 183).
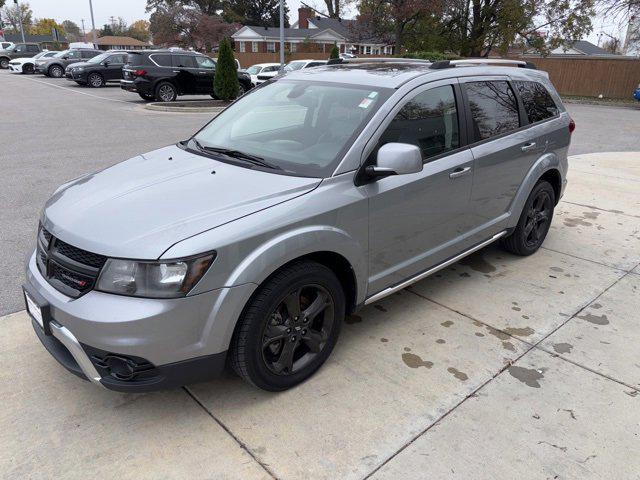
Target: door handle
(528, 146)
(458, 172)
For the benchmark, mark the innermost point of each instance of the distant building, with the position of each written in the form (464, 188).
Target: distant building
(120, 43)
(311, 34)
(580, 47)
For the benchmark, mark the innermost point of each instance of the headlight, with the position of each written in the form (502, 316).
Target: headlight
(159, 279)
(79, 69)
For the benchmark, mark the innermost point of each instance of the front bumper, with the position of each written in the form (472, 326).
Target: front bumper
(80, 77)
(15, 68)
(138, 344)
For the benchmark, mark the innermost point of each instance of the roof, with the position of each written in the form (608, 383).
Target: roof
(17, 38)
(332, 27)
(338, 25)
(288, 32)
(585, 47)
(124, 41)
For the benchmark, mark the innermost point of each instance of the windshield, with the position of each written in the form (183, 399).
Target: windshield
(99, 58)
(254, 70)
(291, 66)
(303, 128)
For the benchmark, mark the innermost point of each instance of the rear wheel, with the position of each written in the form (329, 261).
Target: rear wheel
(95, 80)
(56, 71)
(534, 221)
(4, 63)
(166, 92)
(289, 327)
(28, 68)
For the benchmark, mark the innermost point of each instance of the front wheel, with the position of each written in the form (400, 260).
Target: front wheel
(95, 80)
(56, 71)
(534, 221)
(4, 63)
(289, 327)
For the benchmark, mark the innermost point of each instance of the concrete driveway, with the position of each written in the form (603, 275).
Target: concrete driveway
(498, 367)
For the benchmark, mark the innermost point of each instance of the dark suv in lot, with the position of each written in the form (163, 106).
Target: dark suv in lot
(55, 66)
(162, 75)
(19, 50)
(97, 71)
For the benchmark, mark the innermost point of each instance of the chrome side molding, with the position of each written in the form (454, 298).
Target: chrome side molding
(432, 270)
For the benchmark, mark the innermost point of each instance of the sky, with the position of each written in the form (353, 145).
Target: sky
(132, 10)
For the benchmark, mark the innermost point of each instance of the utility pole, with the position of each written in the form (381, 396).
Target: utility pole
(84, 35)
(20, 18)
(93, 26)
(281, 35)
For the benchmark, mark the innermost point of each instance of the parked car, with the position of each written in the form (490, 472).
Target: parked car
(27, 64)
(163, 75)
(304, 200)
(255, 70)
(19, 50)
(55, 66)
(636, 93)
(6, 45)
(97, 71)
(238, 67)
(290, 67)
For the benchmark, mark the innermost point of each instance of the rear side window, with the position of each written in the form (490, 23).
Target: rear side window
(537, 102)
(429, 121)
(162, 59)
(32, 48)
(184, 61)
(135, 59)
(89, 53)
(494, 109)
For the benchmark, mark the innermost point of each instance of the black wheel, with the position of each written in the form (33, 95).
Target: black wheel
(166, 92)
(289, 327)
(56, 71)
(146, 96)
(4, 63)
(28, 68)
(534, 222)
(95, 80)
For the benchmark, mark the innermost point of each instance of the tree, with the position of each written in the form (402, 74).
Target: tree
(335, 53)
(206, 7)
(140, 30)
(225, 82)
(44, 26)
(12, 13)
(476, 27)
(72, 30)
(265, 13)
(106, 31)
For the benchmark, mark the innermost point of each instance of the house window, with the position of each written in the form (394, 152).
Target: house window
(293, 48)
(367, 50)
(271, 47)
(242, 47)
(254, 47)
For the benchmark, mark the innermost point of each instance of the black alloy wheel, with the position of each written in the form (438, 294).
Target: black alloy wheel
(534, 221)
(298, 329)
(28, 68)
(289, 326)
(4, 63)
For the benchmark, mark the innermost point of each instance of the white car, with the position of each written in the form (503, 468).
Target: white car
(290, 67)
(263, 68)
(27, 65)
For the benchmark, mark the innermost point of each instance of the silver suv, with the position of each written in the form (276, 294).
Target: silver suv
(317, 193)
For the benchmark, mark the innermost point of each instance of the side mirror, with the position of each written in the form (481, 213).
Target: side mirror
(65, 57)
(396, 159)
(105, 63)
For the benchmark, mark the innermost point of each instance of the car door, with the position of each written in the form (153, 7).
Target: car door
(32, 50)
(113, 66)
(421, 219)
(185, 69)
(502, 149)
(72, 56)
(19, 51)
(205, 74)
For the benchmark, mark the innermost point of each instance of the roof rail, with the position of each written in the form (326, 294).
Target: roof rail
(338, 61)
(481, 61)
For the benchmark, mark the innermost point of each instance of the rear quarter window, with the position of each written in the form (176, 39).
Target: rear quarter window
(494, 108)
(537, 101)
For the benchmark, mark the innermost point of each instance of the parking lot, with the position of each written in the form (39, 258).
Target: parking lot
(497, 367)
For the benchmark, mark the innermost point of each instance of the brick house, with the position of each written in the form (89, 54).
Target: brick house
(310, 34)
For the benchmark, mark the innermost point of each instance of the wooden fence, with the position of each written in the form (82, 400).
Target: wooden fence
(584, 76)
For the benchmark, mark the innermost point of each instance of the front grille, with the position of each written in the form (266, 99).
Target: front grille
(68, 269)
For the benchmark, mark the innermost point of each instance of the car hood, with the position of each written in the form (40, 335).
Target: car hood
(142, 206)
(81, 64)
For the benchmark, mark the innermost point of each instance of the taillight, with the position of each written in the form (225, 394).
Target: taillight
(572, 126)
(139, 73)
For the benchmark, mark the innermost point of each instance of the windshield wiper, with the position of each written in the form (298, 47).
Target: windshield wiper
(229, 152)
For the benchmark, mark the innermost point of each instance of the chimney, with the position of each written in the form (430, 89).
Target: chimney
(304, 14)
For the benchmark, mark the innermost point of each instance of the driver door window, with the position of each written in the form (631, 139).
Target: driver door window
(205, 62)
(429, 121)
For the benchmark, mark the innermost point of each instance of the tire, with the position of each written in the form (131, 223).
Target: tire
(534, 221)
(28, 68)
(267, 335)
(146, 97)
(95, 80)
(165, 92)
(4, 63)
(55, 71)
(241, 90)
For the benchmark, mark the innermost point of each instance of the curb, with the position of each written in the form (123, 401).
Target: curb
(167, 107)
(595, 103)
